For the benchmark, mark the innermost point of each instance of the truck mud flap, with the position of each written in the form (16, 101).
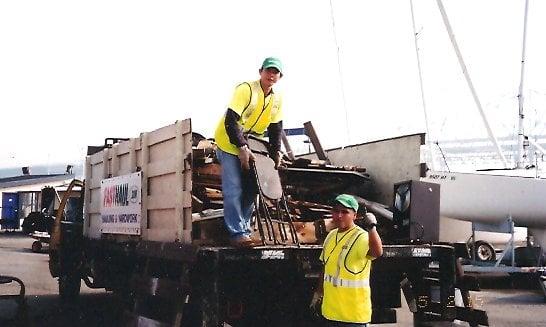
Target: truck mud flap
(158, 301)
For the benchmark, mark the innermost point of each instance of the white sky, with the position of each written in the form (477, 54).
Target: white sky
(73, 72)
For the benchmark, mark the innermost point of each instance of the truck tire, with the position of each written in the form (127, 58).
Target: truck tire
(484, 251)
(36, 246)
(69, 287)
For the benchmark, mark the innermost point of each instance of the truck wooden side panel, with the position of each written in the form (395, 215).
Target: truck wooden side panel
(164, 158)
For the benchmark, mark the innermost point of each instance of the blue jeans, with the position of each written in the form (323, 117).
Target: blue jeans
(239, 192)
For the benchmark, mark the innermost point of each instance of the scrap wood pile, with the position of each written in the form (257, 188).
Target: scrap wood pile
(308, 186)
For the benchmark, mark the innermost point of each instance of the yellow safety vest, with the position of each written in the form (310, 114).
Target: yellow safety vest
(255, 110)
(347, 295)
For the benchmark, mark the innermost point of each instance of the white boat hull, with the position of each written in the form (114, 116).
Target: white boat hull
(491, 198)
(488, 198)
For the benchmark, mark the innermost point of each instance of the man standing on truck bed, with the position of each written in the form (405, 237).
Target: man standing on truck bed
(347, 255)
(254, 108)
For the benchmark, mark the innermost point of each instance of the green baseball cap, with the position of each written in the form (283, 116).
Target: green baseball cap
(347, 201)
(272, 62)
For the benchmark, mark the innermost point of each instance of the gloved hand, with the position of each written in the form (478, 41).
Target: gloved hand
(245, 157)
(278, 159)
(370, 220)
(316, 304)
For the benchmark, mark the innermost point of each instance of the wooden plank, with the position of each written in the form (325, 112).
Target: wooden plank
(161, 135)
(124, 164)
(209, 173)
(96, 158)
(185, 127)
(123, 147)
(160, 168)
(145, 158)
(96, 171)
(162, 226)
(94, 229)
(306, 232)
(162, 235)
(94, 196)
(164, 184)
(287, 146)
(114, 164)
(93, 207)
(132, 154)
(183, 180)
(93, 184)
(310, 131)
(105, 163)
(160, 201)
(163, 151)
(87, 194)
(100, 172)
(161, 219)
(179, 170)
(157, 202)
(187, 200)
(187, 159)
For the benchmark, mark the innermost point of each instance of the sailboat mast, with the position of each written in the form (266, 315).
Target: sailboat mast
(520, 162)
(427, 125)
(469, 81)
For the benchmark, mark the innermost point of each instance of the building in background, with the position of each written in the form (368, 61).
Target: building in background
(21, 195)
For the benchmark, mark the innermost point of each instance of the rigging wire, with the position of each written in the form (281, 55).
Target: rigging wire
(443, 156)
(427, 123)
(340, 73)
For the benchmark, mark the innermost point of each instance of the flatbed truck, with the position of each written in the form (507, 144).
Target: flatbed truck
(151, 255)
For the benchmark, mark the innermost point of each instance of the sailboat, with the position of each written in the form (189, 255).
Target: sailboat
(494, 196)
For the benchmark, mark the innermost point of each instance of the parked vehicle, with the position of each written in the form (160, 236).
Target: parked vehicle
(150, 228)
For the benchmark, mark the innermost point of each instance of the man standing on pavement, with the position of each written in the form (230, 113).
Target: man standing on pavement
(254, 108)
(347, 255)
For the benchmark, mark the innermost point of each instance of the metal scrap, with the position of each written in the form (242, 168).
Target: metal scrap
(304, 181)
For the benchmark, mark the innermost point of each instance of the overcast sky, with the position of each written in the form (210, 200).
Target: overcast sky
(73, 72)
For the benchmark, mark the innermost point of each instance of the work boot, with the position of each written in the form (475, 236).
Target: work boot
(243, 242)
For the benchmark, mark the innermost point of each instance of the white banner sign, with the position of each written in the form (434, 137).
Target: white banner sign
(121, 204)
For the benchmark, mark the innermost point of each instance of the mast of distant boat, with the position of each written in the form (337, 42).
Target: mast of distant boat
(427, 125)
(520, 162)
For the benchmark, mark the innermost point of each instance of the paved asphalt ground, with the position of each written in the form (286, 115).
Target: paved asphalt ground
(505, 306)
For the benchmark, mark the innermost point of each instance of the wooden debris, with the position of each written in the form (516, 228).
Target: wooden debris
(309, 186)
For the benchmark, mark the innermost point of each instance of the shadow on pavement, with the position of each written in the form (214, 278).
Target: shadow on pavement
(46, 311)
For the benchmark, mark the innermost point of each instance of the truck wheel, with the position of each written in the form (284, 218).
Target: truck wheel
(69, 287)
(36, 246)
(484, 251)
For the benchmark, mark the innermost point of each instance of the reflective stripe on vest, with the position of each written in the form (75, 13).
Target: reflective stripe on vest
(347, 283)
